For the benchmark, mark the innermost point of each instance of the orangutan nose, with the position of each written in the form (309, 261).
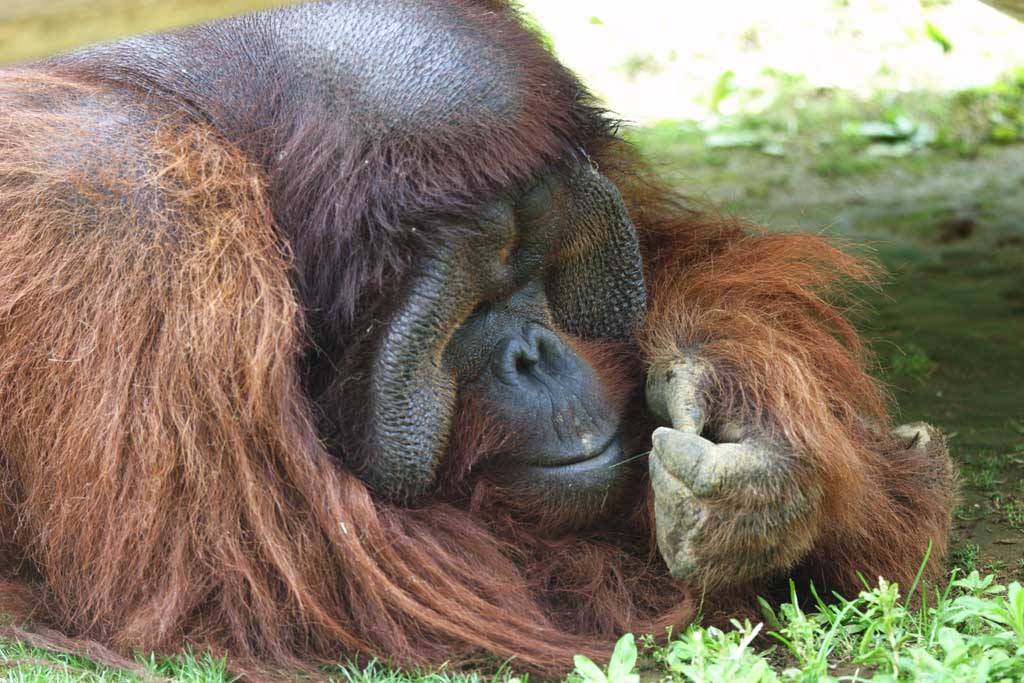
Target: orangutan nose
(530, 356)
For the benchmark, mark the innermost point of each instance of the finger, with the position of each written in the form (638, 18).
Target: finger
(657, 389)
(708, 469)
(680, 453)
(673, 393)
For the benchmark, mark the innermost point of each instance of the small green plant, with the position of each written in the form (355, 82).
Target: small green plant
(911, 362)
(938, 37)
(621, 666)
(986, 472)
(965, 557)
(1014, 510)
(724, 86)
(710, 654)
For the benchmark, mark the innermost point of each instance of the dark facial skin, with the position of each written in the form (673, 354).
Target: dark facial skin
(485, 315)
(485, 312)
(512, 359)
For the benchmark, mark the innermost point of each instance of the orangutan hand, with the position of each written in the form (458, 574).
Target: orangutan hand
(725, 513)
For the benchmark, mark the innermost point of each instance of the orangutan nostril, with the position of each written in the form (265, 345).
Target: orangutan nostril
(525, 364)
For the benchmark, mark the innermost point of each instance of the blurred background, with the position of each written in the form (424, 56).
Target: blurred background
(897, 125)
(653, 60)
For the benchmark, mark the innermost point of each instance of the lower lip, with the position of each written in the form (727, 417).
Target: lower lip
(611, 456)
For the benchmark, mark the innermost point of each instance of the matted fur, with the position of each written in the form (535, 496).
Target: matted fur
(164, 482)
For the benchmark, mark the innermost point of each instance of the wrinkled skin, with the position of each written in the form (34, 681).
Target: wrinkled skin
(716, 502)
(735, 501)
(487, 311)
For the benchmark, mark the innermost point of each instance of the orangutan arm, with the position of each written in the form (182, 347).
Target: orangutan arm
(776, 451)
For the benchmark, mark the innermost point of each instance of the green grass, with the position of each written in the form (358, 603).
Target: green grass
(971, 629)
(20, 663)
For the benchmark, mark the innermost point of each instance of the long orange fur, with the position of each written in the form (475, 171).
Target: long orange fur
(163, 482)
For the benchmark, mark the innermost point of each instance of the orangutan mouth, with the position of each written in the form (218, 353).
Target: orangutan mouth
(594, 463)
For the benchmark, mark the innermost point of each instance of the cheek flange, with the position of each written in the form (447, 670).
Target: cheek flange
(598, 289)
(412, 391)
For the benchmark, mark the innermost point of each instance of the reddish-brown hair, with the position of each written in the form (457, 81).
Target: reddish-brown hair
(164, 482)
